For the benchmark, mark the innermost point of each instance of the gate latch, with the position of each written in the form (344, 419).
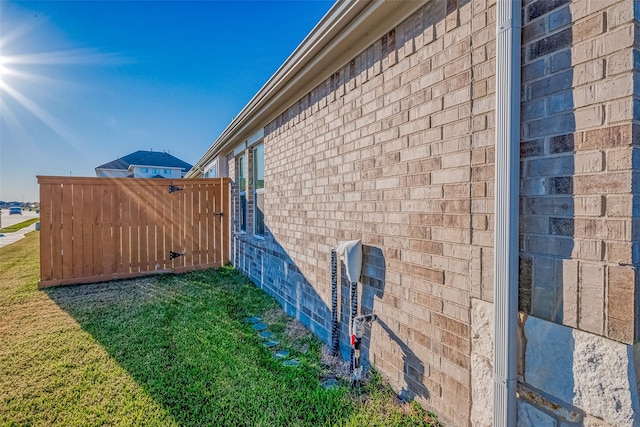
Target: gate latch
(173, 189)
(218, 214)
(173, 254)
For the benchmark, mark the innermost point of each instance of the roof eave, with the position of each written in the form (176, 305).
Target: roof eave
(154, 166)
(110, 169)
(347, 29)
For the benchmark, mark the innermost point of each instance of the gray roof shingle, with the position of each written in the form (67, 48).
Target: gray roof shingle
(147, 158)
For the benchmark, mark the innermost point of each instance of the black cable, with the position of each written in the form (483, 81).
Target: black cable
(335, 346)
(354, 310)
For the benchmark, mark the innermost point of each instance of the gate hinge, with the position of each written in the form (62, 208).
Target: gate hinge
(173, 254)
(173, 189)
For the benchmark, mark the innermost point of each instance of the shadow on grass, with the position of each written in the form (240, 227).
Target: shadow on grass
(184, 340)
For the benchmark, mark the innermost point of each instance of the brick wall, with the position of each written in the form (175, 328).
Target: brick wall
(577, 240)
(396, 149)
(578, 234)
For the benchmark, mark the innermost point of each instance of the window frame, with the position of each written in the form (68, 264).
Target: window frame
(243, 209)
(211, 172)
(257, 191)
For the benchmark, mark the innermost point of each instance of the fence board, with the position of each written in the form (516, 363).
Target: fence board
(67, 230)
(96, 210)
(192, 241)
(77, 223)
(117, 229)
(225, 208)
(181, 246)
(209, 236)
(56, 230)
(188, 226)
(154, 242)
(151, 228)
(166, 213)
(46, 270)
(217, 221)
(135, 229)
(87, 231)
(175, 228)
(145, 218)
(100, 229)
(196, 225)
(107, 231)
(126, 230)
(201, 219)
(159, 231)
(195, 242)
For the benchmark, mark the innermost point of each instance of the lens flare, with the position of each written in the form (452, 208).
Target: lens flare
(3, 69)
(28, 78)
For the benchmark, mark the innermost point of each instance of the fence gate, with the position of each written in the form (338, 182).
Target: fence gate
(101, 229)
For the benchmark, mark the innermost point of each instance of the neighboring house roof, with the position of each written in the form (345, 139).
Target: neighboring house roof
(143, 158)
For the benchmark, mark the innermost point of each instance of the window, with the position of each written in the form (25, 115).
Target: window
(258, 189)
(249, 175)
(155, 171)
(212, 173)
(242, 192)
(144, 170)
(167, 171)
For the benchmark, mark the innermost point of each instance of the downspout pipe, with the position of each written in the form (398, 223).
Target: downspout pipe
(507, 179)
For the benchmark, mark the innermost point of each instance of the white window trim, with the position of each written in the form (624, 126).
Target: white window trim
(210, 167)
(240, 148)
(256, 235)
(257, 191)
(244, 159)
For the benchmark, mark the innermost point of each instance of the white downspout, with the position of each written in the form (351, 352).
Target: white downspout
(507, 177)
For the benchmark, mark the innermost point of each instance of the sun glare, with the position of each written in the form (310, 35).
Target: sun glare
(27, 78)
(3, 69)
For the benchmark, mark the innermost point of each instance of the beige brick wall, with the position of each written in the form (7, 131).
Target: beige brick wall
(577, 227)
(578, 235)
(396, 149)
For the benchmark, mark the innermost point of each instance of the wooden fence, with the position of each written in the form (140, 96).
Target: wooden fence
(101, 229)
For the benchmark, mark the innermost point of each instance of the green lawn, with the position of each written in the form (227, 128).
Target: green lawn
(169, 350)
(19, 226)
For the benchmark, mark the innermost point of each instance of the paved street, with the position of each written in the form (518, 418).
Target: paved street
(7, 220)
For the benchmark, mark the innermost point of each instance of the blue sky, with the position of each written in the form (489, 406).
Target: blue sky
(83, 83)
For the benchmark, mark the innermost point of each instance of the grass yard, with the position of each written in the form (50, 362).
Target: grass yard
(169, 350)
(19, 226)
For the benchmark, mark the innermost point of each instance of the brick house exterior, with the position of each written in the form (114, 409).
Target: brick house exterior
(381, 127)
